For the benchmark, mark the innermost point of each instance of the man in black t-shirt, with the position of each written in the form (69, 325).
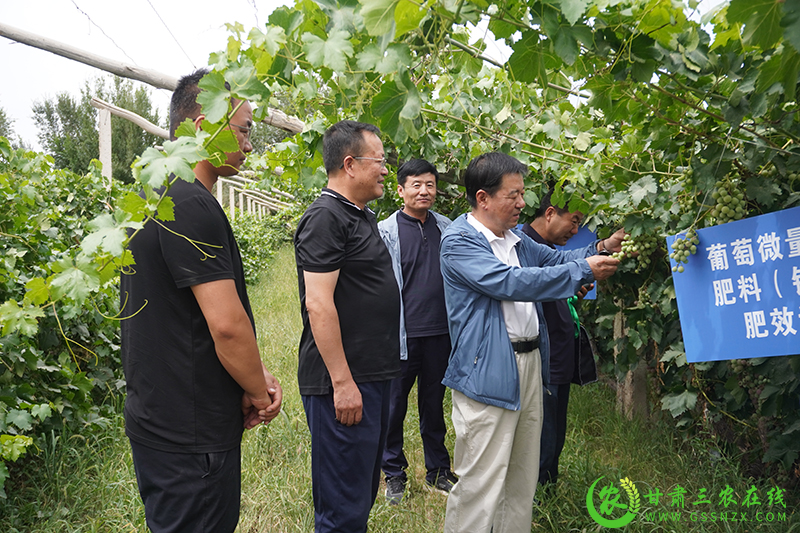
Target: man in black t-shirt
(555, 226)
(194, 375)
(349, 349)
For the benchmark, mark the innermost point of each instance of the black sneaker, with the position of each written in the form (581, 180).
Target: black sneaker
(395, 488)
(444, 482)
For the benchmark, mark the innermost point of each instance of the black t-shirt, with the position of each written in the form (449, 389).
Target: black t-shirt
(180, 397)
(334, 234)
(561, 330)
(423, 286)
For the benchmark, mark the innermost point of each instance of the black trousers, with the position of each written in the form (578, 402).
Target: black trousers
(345, 460)
(189, 492)
(426, 364)
(554, 431)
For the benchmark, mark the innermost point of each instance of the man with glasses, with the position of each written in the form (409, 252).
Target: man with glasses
(350, 348)
(195, 379)
(553, 226)
(494, 279)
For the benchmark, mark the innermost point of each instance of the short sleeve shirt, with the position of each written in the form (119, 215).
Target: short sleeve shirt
(179, 396)
(335, 234)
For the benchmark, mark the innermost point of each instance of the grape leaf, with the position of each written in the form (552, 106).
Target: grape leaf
(679, 403)
(574, 9)
(379, 15)
(331, 53)
(407, 17)
(74, 278)
(643, 188)
(177, 158)
(22, 319)
(271, 41)
(106, 235)
(21, 419)
(215, 99)
(761, 19)
(37, 292)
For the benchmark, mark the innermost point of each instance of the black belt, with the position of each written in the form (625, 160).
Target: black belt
(525, 346)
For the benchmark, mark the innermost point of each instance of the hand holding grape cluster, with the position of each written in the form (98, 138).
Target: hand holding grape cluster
(640, 247)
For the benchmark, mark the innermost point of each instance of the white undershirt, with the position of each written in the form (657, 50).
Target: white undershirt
(520, 317)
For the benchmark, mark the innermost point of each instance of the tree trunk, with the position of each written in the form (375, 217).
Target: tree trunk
(632, 390)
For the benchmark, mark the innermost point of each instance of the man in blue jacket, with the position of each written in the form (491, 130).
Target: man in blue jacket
(412, 236)
(494, 278)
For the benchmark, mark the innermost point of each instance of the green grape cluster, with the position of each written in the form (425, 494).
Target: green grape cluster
(687, 202)
(730, 202)
(748, 380)
(682, 248)
(738, 365)
(640, 247)
(644, 301)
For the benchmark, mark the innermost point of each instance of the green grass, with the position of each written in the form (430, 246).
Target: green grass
(85, 483)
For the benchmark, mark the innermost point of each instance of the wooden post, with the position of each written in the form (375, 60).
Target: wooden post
(232, 201)
(105, 144)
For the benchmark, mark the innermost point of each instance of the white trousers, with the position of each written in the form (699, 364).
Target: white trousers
(496, 458)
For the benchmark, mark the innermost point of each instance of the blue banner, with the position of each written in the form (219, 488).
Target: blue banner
(739, 296)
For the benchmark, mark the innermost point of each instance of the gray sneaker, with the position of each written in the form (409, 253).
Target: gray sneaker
(444, 482)
(395, 488)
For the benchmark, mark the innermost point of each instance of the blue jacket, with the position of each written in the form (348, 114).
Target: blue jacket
(482, 362)
(390, 235)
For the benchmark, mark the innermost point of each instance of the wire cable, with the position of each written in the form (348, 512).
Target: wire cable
(103, 32)
(171, 34)
(255, 10)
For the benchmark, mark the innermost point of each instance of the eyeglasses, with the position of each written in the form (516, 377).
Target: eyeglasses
(381, 161)
(244, 129)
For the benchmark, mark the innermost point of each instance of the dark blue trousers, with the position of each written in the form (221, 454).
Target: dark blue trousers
(346, 460)
(554, 431)
(426, 363)
(189, 492)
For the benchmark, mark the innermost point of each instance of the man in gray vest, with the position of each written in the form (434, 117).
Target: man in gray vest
(412, 236)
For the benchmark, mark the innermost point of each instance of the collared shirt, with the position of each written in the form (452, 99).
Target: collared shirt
(423, 288)
(520, 317)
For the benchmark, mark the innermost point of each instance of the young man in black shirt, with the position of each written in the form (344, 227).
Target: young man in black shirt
(194, 376)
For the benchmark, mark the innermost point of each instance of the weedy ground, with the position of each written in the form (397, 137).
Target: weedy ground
(85, 482)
